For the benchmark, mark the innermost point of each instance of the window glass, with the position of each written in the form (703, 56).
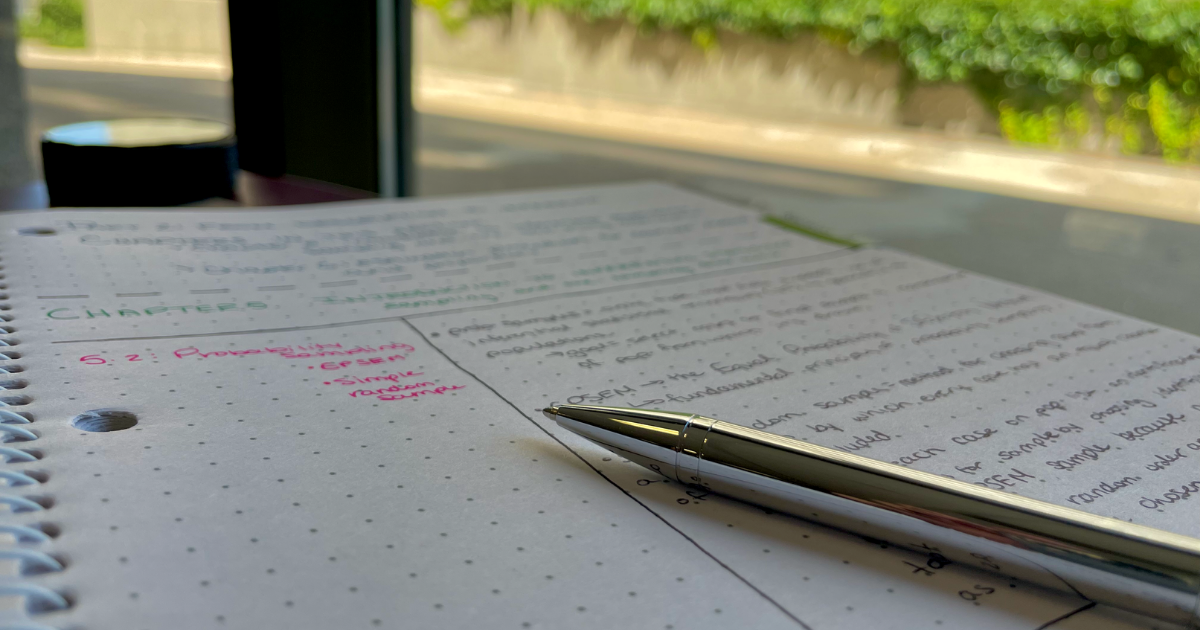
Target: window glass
(1092, 102)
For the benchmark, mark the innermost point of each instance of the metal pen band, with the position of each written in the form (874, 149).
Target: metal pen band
(690, 449)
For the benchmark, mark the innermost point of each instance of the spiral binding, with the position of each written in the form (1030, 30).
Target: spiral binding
(33, 539)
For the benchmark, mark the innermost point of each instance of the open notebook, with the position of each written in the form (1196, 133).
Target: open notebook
(323, 417)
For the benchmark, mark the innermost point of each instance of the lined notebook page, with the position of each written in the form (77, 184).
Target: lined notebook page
(336, 426)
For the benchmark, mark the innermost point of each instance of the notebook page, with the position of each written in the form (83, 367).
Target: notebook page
(885, 355)
(323, 438)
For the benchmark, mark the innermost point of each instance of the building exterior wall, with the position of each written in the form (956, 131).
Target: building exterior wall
(195, 31)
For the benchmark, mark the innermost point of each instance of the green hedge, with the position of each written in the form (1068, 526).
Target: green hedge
(56, 22)
(1051, 69)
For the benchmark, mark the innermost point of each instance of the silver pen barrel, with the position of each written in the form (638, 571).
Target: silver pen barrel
(1133, 567)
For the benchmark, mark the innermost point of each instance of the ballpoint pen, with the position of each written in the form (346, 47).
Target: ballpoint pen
(1105, 560)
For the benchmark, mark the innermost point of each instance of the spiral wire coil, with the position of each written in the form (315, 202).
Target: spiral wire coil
(27, 541)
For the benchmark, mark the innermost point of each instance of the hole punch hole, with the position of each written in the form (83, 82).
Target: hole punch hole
(36, 231)
(18, 455)
(18, 504)
(13, 478)
(16, 433)
(12, 417)
(31, 562)
(38, 599)
(104, 420)
(35, 533)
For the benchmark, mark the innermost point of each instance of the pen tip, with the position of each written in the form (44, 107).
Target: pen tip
(550, 412)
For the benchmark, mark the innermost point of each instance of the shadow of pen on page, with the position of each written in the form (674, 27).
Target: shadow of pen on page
(782, 534)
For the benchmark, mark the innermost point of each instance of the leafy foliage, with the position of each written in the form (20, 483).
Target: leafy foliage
(1054, 71)
(57, 22)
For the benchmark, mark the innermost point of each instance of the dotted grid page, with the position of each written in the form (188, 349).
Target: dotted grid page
(284, 450)
(323, 417)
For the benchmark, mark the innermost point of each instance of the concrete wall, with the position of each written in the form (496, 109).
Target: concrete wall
(804, 80)
(194, 31)
(14, 159)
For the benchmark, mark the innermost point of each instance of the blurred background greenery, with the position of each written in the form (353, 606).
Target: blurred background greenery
(54, 22)
(1052, 71)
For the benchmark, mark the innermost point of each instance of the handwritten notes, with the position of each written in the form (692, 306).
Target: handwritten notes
(884, 355)
(358, 383)
(379, 259)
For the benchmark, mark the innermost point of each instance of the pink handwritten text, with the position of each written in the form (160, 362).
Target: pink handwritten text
(405, 392)
(311, 351)
(363, 380)
(340, 365)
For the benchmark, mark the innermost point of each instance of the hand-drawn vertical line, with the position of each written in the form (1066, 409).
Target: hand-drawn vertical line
(1063, 617)
(614, 484)
(1091, 604)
